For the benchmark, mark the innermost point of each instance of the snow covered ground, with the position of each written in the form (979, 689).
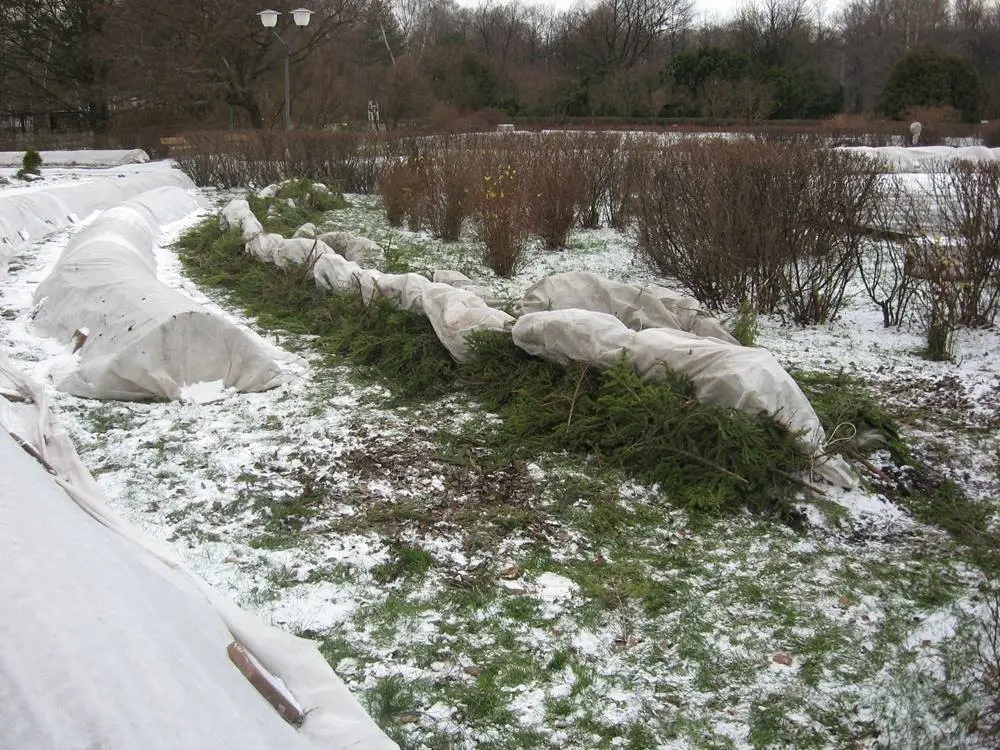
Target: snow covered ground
(541, 605)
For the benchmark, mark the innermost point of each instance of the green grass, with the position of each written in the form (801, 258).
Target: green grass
(706, 458)
(691, 605)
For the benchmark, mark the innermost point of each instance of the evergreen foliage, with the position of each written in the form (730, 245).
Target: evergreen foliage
(794, 92)
(707, 458)
(927, 77)
(30, 164)
(296, 203)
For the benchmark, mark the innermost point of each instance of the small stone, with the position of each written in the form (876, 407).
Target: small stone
(511, 572)
(782, 658)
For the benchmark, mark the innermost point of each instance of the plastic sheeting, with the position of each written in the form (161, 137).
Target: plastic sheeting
(924, 158)
(638, 307)
(112, 644)
(144, 339)
(723, 374)
(84, 158)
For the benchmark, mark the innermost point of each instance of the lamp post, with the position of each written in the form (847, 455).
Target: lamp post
(269, 20)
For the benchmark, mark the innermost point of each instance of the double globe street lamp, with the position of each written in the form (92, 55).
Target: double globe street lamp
(269, 19)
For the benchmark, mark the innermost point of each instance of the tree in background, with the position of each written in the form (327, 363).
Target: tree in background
(219, 53)
(427, 60)
(927, 77)
(52, 55)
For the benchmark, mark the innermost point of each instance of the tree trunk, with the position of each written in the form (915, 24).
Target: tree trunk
(246, 101)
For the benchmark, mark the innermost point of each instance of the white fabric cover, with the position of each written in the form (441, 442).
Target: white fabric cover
(145, 340)
(336, 273)
(723, 374)
(637, 307)
(107, 642)
(31, 213)
(299, 251)
(461, 281)
(84, 158)
(924, 158)
(355, 248)
(455, 313)
(404, 290)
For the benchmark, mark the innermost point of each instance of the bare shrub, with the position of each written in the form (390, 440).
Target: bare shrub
(501, 213)
(345, 161)
(968, 197)
(597, 171)
(633, 161)
(885, 264)
(449, 182)
(773, 226)
(940, 319)
(398, 188)
(938, 294)
(553, 182)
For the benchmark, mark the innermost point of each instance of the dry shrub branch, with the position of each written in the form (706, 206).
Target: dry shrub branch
(968, 196)
(553, 182)
(502, 211)
(771, 226)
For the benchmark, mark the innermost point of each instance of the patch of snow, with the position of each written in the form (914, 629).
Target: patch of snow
(205, 393)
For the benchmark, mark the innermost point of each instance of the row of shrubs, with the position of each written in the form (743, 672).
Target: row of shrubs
(771, 227)
(785, 228)
(510, 188)
(759, 225)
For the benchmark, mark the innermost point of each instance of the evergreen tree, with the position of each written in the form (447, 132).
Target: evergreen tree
(927, 77)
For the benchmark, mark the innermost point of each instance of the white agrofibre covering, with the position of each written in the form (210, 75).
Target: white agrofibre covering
(112, 644)
(143, 339)
(29, 214)
(924, 159)
(454, 313)
(723, 374)
(638, 307)
(355, 248)
(82, 158)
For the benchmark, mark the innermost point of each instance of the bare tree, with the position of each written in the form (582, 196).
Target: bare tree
(618, 34)
(218, 50)
(50, 54)
(768, 30)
